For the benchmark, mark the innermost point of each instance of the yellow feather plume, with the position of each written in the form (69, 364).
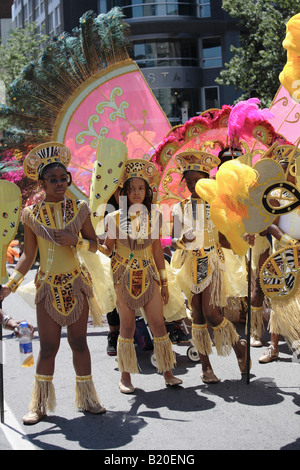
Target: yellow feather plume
(226, 196)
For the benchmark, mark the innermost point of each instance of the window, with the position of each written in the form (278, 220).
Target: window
(211, 53)
(140, 8)
(25, 13)
(57, 20)
(50, 23)
(36, 9)
(210, 97)
(160, 53)
(204, 8)
(30, 16)
(174, 100)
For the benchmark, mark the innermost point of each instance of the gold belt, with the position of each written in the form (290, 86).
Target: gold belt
(61, 278)
(201, 252)
(127, 254)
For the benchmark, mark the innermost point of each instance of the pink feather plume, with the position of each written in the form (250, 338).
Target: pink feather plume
(244, 117)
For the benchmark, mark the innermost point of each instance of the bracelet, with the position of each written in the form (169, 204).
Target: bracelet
(101, 249)
(82, 244)
(180, 244)
(15, 280)
(5, 320)
(286, 240)
(163, 277)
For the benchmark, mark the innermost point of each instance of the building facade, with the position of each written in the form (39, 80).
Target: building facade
(52, 16)
(180, 45)
(5, 19)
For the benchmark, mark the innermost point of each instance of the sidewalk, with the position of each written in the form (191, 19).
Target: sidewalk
(231, 415)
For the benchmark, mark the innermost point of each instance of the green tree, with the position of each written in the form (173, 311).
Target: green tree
(22, 46)
(255, 66)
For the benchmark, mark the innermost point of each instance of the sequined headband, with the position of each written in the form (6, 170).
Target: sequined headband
(43, 155)
(196, 160)
(137, 168)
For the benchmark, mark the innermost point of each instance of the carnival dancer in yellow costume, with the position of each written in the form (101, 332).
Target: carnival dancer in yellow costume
(64, 292)
(201, 275)
(139, 273)
(285, 230)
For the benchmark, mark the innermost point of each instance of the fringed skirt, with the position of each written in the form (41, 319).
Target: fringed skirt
(200, 270)
(136, 281)
(64, 296)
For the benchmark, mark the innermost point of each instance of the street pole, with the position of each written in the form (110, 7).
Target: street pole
(249, 315)
(1, 375)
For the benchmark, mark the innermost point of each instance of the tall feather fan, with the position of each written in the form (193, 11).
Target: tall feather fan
(36, 97)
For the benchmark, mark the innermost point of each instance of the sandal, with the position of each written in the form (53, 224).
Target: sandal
(33, 417)
(269, 355)
(208, 377)
(173, 382)
(97, 409)
(126, 388)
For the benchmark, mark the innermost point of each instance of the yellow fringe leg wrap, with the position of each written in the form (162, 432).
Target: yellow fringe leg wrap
(165, 356)
(126, 355)
(257, 321)
(201, 339)
(285, 319)
(43, 394)
(274, 324)
(225, 336)
(85, 392)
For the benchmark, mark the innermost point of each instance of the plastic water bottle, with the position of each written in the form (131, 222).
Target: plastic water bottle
(25, 344)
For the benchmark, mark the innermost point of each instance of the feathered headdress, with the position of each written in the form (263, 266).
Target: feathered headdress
(82, 90)
(244, 119)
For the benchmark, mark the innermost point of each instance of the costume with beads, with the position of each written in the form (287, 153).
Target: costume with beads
(201, 262)
(279, 278)
(61, 280)
(134, 268)
(133, 265)
(203, 259)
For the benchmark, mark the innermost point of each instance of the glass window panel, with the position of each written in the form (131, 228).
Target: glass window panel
(205, 11)
(159, 53)
(140, 8)
(172, 100)
(211, 52)
(211, 97)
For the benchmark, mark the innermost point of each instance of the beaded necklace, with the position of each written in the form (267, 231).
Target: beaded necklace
(51, 248)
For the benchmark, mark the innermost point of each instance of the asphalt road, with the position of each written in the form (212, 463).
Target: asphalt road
(231, 415)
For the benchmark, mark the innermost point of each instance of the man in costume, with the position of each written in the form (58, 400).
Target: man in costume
(202, 267)
(64, 292)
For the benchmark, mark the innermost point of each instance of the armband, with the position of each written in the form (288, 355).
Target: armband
(163, 278)
(82, 244)
(286, 240)
(15, 280)
(5, 320)
(100, 248)
(180, 244)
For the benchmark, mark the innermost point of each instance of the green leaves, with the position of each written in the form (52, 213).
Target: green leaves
(255, 66)
(22, 46)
